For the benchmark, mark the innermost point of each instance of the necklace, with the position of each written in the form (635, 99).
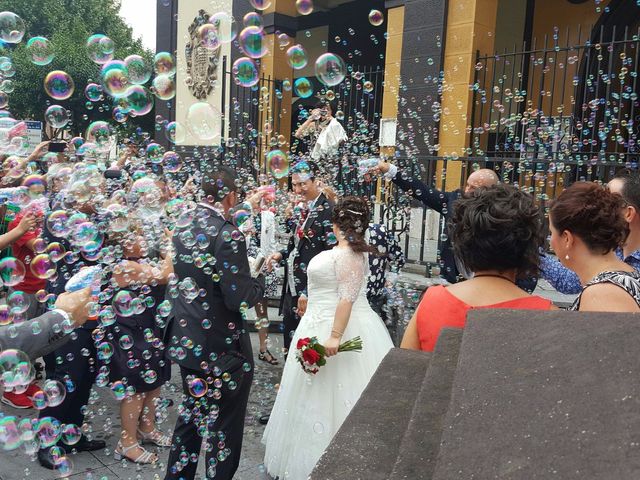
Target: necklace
(494, 275)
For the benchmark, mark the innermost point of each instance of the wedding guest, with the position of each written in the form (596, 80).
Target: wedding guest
(496, 233)
(325, 132)
(587, 225)
(206, 333)
(626, 184)
(138, 359)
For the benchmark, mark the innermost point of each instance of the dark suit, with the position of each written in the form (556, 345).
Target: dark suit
(315, 239)
(200, 330)
(443, 203)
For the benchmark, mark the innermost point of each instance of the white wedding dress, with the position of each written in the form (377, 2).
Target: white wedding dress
(309, 409)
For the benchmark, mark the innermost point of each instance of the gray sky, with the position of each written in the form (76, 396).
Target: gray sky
(141, 16)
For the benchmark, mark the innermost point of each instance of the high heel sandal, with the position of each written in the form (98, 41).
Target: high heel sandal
(263, 356)
(145, 458)
(155, 437)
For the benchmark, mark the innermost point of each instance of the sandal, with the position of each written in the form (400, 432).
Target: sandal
(155, 437)
(145, 458)
(271, 360)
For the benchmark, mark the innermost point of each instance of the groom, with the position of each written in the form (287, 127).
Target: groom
(206, 334)
(312, 234)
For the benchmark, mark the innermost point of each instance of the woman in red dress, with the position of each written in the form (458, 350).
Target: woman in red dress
(496, 234)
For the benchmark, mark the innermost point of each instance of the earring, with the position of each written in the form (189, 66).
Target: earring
(566, 257)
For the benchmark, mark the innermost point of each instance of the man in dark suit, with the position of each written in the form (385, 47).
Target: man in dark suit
(312, 234)
(206, 333)
(441, 202)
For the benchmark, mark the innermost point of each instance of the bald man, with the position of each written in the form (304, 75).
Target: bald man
(441, 202)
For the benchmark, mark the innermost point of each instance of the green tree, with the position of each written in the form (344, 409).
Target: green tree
(68, 24)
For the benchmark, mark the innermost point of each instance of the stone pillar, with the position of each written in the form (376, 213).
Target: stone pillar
(470, 28)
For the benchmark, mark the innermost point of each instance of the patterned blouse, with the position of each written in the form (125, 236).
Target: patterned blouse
(628, 281)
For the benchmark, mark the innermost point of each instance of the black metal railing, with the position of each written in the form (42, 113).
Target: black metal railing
(559, 110)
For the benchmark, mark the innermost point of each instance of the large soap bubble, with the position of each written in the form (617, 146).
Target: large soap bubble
(138, 70)
(204, 121)
(57, 116)
(11, 27)
(330, 69)
(41, 51)
(253, 42)
(245, 72)
(59, 85)
(100, 48)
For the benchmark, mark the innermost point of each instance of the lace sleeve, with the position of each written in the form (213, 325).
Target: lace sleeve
(350, 274)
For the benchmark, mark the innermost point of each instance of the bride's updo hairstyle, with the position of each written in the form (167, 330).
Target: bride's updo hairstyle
(351, 216)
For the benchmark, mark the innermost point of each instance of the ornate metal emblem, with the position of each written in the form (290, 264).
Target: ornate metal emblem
(202, 62)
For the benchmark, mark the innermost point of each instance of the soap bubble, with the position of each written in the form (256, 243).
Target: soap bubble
(54, 391)
(164, 64)
(245, 72)
(204, 121)
(115, 78)
(16, 369)
(123, 303)
(41, 51)
(253, 42)
(57, 116)
(71, 434)
(260, 4)
(18, 302)
(100, 48)
(226, 28)
(164, 87)
(93, 92)
(278, 163)
(283, 40)
(59, 85)
(12, 271)
(138, 70)
(140, 100)
(155, 152)
(376, 18)
(367, 86)
(11, 27)
(42, 267)
(175, 132)
(198, 387)
(57, 223)
(297, 57)
(64, 467)
(330, 69)
(99, 132)
(171, 162)
(125, 342)
(56, 251)
(303, 88)
(304, 7)
(207, 35)
(49, 432)
(119, 115)
(253, 19)
(119, 390)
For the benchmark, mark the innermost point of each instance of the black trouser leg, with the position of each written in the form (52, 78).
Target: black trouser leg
(290, 318)
(80, 369)
(223, 422)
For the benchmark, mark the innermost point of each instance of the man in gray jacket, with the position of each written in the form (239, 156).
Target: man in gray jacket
(52, 327)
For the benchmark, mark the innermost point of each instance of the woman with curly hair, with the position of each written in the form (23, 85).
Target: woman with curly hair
(496, 234)
(310, 409)
(587, 226)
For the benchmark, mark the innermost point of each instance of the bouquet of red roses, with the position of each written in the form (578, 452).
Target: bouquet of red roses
(311, 353)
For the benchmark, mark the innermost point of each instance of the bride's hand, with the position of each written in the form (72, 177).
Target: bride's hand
(302, 305)
(331, 346)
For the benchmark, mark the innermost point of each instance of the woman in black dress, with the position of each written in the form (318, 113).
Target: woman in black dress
(137, 367)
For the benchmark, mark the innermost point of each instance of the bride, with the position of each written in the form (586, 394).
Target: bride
(309, 409)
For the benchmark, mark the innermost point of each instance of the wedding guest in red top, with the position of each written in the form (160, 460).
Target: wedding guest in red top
(496, 234)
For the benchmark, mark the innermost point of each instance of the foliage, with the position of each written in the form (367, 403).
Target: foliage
(68, 24)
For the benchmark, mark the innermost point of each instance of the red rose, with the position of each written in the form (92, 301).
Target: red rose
(303, 342)
(311, 356)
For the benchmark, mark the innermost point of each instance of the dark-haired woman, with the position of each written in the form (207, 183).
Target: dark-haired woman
(309, 409)
(587, 226)
(496, 234)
